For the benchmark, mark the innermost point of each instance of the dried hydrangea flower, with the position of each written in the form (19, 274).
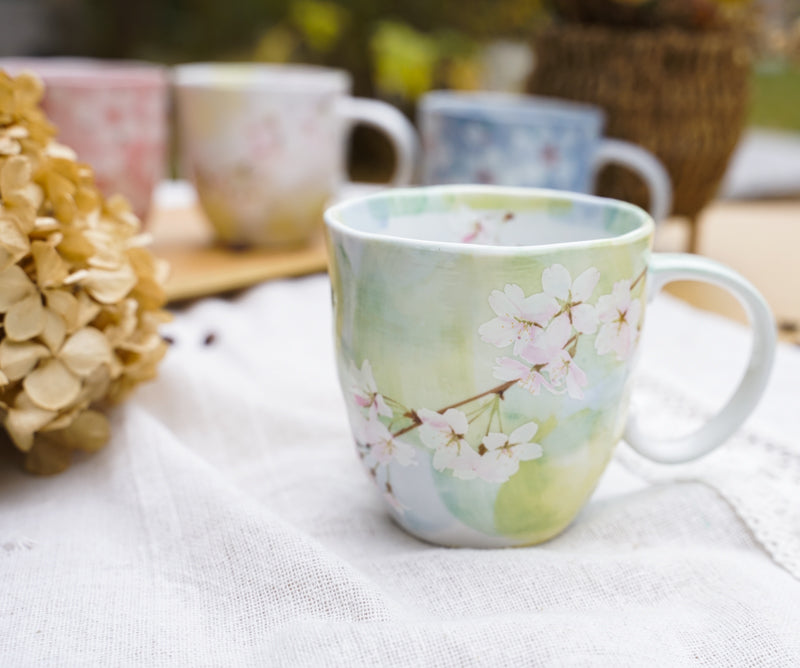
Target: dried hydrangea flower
(80, 296)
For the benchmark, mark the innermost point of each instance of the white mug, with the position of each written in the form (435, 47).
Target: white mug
(265, 145)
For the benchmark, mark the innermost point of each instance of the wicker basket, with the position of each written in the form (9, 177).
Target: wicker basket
(682, 95)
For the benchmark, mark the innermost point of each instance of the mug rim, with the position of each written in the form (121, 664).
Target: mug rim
(80, 72)
(499, 106)
(269, 77)
(643, 230)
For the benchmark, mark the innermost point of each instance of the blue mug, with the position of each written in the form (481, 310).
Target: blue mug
(522, 140)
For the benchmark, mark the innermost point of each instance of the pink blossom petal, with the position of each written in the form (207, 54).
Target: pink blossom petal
(457, 421)
(466, 464)
(621, 294)
(499, 332)
(528, 451)
(584, 318)
(524, 433)
(361, 400)
(606, 309)
(506, 304)
(606, 338)
(558, 332)
(539, 308)
(494, 440)
(367, 378)
(557, 282)
(432, 419)
(382, 407)
(622, 345)
(584, 285)
(508, 368)
(576, 381)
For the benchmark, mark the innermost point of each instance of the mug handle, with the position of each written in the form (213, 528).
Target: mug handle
(665, 268)
(643, 163)
(401, 133)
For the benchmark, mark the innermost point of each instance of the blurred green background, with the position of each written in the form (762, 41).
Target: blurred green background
(395, 49)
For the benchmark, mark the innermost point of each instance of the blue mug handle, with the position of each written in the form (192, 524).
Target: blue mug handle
(643, 163)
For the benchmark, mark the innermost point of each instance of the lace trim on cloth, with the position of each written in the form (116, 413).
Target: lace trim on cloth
(758, 476)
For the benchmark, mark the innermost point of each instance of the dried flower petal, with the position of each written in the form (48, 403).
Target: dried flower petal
(16, 132)
(85, 350)
(108, 287)
(74, 247)
(25, 319)
(15, 175)
(9, 146)
(18, 359)
(89, 432)
(96, 386)
(14, 287)
(46, 224)
(56, 150)
(87, 309)
(21, 424)
(51, 385)
(55, 330)
(65, 304)
(51, 269)
(14, 245)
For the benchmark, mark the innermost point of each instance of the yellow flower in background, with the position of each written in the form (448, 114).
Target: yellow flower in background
(321, 23)
(404, 60)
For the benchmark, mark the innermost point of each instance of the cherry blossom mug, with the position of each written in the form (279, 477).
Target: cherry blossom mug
(525, 140)
(265, 145)
(486, 339)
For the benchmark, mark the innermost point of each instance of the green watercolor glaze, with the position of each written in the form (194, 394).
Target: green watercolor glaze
(424, 353)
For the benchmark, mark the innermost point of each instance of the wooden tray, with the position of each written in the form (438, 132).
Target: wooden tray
(200, 268)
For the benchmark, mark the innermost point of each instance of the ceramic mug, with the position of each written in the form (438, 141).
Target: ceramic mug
(522, 140)
(113, 114)
(265, 145)
(485, 341)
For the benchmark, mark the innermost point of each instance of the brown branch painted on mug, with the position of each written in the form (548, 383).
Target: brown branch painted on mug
(639, 278)
(416, 421)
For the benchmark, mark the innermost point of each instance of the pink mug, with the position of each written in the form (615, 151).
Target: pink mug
(113, 114)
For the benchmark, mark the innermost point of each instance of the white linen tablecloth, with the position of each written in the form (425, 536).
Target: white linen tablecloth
(229, 523)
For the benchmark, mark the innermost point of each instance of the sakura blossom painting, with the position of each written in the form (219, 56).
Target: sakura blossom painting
(486, 382)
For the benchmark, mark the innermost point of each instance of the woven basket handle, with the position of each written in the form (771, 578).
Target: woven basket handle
(643, 163)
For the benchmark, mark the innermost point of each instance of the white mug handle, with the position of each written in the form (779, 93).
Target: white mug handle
(646, 165)
(401, 133)
(667, 267)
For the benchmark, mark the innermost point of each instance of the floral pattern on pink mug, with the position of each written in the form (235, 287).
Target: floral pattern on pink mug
(113, 114)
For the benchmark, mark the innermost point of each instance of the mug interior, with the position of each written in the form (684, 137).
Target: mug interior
(489, 216)
(288, 78)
